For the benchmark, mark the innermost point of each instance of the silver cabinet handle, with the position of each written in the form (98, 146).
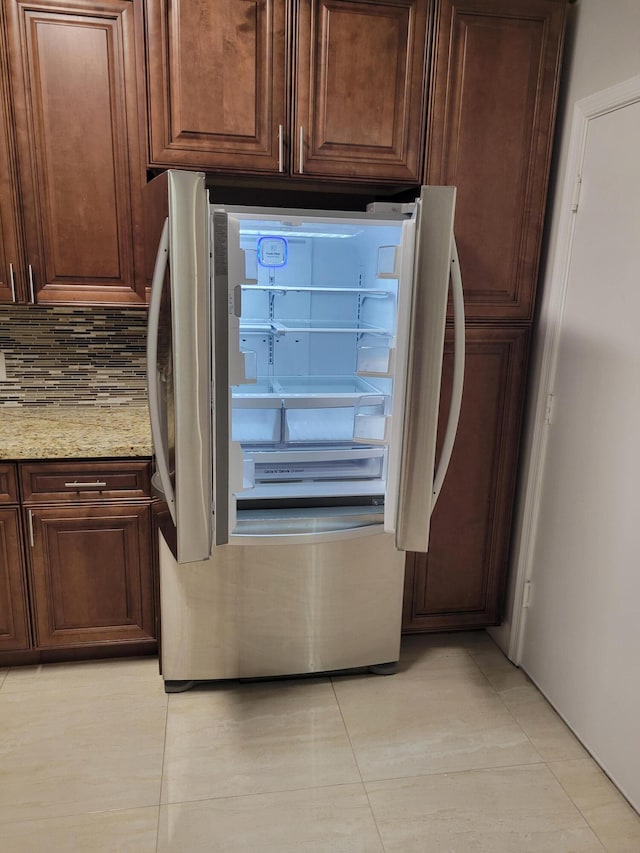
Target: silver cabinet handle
(99, 484)
(12, 278)
(280, 149)
(301, 149)
(31, 287)
(30, 520)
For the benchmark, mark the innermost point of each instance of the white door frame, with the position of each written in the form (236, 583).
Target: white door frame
(585, 110)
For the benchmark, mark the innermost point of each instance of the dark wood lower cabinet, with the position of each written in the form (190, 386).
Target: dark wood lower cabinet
(91, 574)
(76, 569)
(459, 583)
(14, 619)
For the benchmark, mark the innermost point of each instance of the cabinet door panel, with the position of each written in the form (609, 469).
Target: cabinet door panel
(14, 625)
(459, 583)
(75, 92)
(91, 574)
(217, 83)
(491, 128)
(360, 88)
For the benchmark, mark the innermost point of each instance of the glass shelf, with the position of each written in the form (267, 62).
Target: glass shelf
(283, 327)
(362, 291)
(303, 387)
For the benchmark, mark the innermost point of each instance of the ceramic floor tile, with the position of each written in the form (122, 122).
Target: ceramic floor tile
(553, 739)
(424, 645)
(490, 657)
(443, 720)
(506, 810)
(129, 675)
(611, 817)
(127, 831)
(3, 676)
(437, 660)
(63, 754)
(255, 738)
(319, 820)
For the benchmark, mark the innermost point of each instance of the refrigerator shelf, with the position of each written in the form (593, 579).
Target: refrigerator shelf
(313, 489)
(339, 388)
(360, 291)
(283, 327)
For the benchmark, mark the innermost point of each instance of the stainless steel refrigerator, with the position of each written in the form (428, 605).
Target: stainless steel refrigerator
(295, 362)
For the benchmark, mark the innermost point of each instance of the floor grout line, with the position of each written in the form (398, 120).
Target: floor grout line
(355, 758)
(164, 753)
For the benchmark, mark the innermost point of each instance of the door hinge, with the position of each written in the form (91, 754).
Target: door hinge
(575, 198)
(527, 594)
(550, 407)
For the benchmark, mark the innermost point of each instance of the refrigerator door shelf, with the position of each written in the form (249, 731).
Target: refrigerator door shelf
(375, 361)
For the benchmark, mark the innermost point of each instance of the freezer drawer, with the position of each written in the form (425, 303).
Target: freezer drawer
(245, 612)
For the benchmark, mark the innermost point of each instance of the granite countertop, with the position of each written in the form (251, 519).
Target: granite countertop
(74, 432)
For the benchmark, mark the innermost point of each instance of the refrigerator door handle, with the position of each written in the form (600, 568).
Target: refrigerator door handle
(458, 374)
(426, 335)
(162, 463)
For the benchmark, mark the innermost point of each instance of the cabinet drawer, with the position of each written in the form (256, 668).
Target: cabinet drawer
(78, 481)
(8, 484)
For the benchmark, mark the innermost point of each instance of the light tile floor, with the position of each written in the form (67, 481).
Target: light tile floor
(456, 753)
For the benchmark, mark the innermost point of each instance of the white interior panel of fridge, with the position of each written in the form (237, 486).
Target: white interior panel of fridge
(318, 322)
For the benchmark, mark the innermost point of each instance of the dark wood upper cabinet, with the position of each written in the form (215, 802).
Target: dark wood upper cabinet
(360, 89)
(75, 96)
(217, 83)
(490, 134)
(460, 582)
(226, 92)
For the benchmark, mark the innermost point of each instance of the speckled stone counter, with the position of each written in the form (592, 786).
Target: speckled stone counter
(73, 432)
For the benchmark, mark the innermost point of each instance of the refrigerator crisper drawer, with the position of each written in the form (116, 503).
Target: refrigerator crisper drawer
(335, 464)
(333, 410)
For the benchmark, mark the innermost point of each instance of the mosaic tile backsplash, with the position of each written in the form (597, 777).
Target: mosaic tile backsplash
(72, 355)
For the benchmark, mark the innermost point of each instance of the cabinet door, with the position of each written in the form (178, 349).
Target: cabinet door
(490, 133)
(11, 265)
(75, 94)
(91, 574)
(217, 87)
(14, 624)
(360, 88)
(459, 583)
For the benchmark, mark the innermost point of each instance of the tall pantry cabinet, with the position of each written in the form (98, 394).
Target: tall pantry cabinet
(490, 126)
